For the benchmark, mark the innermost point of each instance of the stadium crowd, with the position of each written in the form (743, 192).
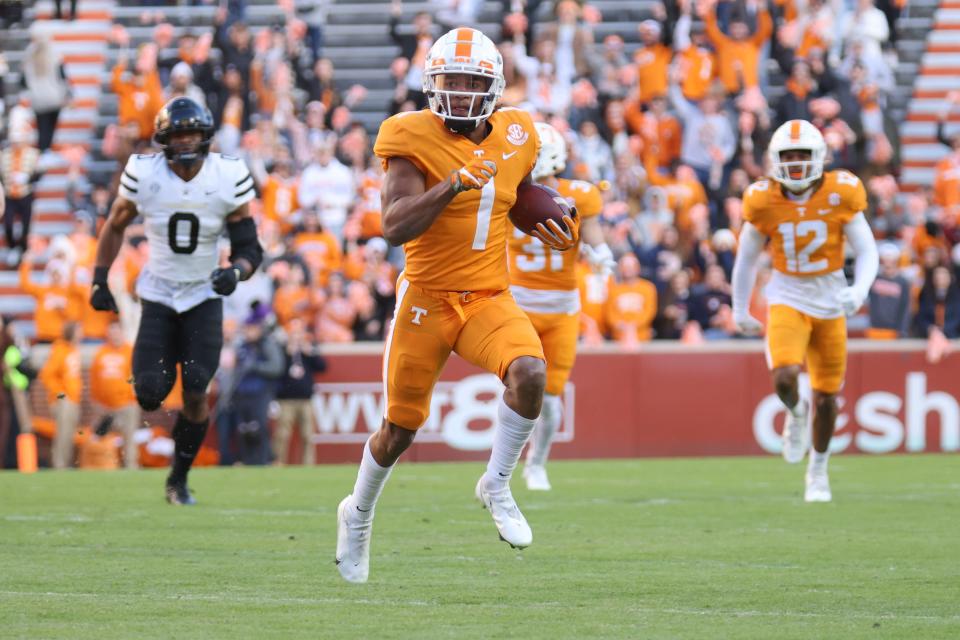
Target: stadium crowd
(673, 134)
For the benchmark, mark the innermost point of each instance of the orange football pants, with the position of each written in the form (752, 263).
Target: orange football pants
(793, 336)
(558, 334)
(485, 328)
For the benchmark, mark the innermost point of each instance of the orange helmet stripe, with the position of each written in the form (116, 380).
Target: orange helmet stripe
(464, 47)
(795, 130)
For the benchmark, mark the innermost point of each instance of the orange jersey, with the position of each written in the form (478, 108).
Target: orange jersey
(652, 63)
(280, 200)
(806, 238)
(737, 60)
(463, 250)
(699, 68)
(535, 266)
(61, 373)
(630, 309)
(53, 305)
(110, 376)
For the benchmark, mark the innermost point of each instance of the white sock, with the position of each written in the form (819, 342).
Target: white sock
(798, 410)
(547, 425)
(370, 481)
(818, 461)
(511, 434)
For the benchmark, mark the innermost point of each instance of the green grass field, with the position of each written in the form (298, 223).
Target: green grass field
(718, 548)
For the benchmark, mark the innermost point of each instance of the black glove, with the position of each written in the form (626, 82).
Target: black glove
(100, 297)
(225, 280)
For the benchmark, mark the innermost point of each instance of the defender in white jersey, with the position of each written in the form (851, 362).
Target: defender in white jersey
(187, 197)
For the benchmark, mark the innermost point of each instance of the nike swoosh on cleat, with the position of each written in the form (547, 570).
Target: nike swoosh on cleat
(507, 156)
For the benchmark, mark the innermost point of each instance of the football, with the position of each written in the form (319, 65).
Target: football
(538, 203)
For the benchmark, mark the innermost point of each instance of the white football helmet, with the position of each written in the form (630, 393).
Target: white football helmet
(463, 50)
(552, 158)
(797, 135)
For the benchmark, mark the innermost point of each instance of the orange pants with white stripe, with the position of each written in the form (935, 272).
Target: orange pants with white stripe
(485, 328)
(793, 336)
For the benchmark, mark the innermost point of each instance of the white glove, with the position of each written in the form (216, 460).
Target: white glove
(746, 323)
(851, 299)
(600, 258)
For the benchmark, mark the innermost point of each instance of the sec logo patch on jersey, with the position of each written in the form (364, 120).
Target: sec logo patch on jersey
(516, 134)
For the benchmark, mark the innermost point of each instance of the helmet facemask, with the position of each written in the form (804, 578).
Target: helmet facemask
(456, 98)
(797, 174)
(185, 153)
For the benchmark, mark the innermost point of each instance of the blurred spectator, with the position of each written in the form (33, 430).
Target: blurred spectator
(368, 322)
(46, 83)
(712, 303)
(61, 375)
(328, 185)
(259, 365)
(234, 42)
(572, 41)
(659, 130)
(548, 88)
(278, 190)
(233, 114)
(631, 305)
(946, 182)
(652, 60)
(938, 308)
(738, 54)
(182, 86)
(866, 23)
(708, 138)
(294, 393)
(52, 299)
(454, 13)
(800, 87)
(319, 248)
(889, 300)
(694, 57)
(140, 97)
(295, 300)
(413, 46)
(17, 373)
(336, 320)
(594, 152)
(111, 374)
(19, 172)
(675, 306)
(647, 227)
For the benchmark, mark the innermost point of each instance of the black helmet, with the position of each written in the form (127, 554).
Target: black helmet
(178, 115)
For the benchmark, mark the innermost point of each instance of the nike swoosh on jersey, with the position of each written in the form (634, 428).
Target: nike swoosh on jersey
(507, 156)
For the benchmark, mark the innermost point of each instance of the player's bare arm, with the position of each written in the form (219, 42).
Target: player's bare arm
(246, 254)
(409, 208)
(122, 213)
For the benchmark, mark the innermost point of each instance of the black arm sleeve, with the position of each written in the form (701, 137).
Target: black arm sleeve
(244, 243)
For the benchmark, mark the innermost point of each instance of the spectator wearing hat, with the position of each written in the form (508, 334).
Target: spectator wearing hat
(889, 299)
(182, 86)
(259, 364)
(652, 60)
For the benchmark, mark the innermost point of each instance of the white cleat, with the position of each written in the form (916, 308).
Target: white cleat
(511, 524)
(353, 542)
(818, 487)
(796, 437)
(536, 477)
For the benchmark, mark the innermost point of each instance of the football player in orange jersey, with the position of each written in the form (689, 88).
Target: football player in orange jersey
(544, 284)
(806, 214)
(452, 173)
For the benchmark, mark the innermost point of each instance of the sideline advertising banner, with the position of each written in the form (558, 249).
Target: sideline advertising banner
(663, 400)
